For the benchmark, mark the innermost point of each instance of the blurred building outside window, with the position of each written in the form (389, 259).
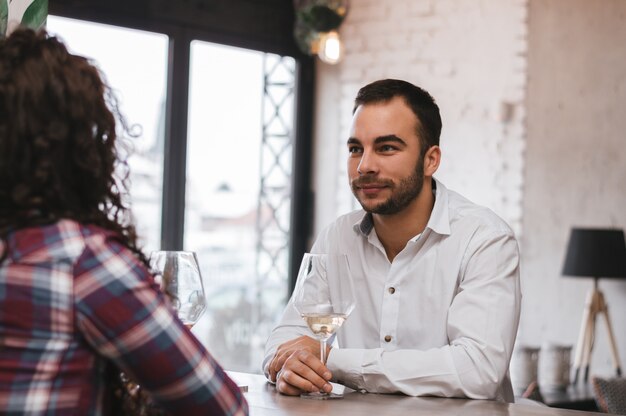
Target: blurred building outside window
(239, 164)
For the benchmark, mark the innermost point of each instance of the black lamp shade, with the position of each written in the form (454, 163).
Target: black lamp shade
(594, 252)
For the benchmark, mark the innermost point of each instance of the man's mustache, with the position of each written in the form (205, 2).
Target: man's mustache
(370, 180)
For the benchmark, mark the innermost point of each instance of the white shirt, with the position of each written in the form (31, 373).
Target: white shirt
(439, 320)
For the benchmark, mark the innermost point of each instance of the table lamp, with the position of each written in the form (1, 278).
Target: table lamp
(594, 252)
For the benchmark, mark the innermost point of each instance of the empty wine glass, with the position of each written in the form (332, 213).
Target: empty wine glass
(324, 297)
(178, 274)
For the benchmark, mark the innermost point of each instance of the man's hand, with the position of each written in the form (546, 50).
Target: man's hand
(296, 367)
(284, 351)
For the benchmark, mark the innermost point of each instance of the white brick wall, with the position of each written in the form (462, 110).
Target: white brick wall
(470, 55)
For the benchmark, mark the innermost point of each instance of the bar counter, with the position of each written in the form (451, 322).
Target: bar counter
(263, 399)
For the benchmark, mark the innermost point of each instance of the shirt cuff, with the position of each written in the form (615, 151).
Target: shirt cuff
(346, 364)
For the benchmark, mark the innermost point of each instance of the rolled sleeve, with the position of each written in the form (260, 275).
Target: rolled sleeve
(346, 366)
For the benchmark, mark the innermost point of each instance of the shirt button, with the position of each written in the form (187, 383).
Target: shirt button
(388, 338)
(392, 290)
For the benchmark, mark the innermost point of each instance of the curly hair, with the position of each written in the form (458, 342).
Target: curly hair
(59, 149)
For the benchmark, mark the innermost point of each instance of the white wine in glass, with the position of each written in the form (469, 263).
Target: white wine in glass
(324, 297)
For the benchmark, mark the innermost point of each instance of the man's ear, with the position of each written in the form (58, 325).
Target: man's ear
(432, 158)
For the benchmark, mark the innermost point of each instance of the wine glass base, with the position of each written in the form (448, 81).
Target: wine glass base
(321, 396)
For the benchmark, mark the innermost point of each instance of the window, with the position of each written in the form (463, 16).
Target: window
(245, 209)
(238, 194)
(136, 71)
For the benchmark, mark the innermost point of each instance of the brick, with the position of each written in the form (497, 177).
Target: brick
(421, 8)
(359, 59)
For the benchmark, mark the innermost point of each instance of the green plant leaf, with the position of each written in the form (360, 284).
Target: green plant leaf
(304, 36)
(320, 18)
(36, 14)
(4, 16)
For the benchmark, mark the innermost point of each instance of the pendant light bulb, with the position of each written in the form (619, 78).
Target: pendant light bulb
(330, 48)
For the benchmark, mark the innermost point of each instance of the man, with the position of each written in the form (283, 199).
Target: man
(438, 294)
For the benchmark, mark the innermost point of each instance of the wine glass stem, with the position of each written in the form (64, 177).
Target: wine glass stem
(323, 350)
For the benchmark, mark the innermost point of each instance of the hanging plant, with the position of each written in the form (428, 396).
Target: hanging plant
(314, 17)
(320, 17)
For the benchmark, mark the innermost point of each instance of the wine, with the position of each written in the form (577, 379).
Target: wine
(324, 325)
(324, 298)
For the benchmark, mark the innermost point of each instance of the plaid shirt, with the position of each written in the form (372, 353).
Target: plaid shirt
(73, 299)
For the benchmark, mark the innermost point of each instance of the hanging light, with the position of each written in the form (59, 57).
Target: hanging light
(317, 22)
(330, 48)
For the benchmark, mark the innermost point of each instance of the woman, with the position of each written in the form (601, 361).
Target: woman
(78, 303)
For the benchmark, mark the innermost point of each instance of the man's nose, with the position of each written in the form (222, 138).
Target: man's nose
(367, 164)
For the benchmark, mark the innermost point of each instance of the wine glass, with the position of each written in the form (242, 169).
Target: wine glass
(324, 297)
(178, 274)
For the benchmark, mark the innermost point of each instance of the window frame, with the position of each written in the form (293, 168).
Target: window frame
(262, 25)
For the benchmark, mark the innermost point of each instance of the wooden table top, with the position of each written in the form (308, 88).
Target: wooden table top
(263, 399)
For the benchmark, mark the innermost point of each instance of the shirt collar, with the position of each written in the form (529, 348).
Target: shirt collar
(365, 225)
(439, 220)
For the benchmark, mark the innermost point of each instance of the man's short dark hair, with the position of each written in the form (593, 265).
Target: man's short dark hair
(420, 101)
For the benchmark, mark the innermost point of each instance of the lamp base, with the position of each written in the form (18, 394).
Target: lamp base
(594, 306)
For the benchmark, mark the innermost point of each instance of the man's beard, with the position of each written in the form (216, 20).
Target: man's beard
(402, 194)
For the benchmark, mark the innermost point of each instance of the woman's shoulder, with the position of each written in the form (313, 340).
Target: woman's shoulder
(63, 240)
(60, 240)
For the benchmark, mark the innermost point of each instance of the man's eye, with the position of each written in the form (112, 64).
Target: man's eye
(354, 149)
(387, 148)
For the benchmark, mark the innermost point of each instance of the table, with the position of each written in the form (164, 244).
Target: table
(263, 400)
